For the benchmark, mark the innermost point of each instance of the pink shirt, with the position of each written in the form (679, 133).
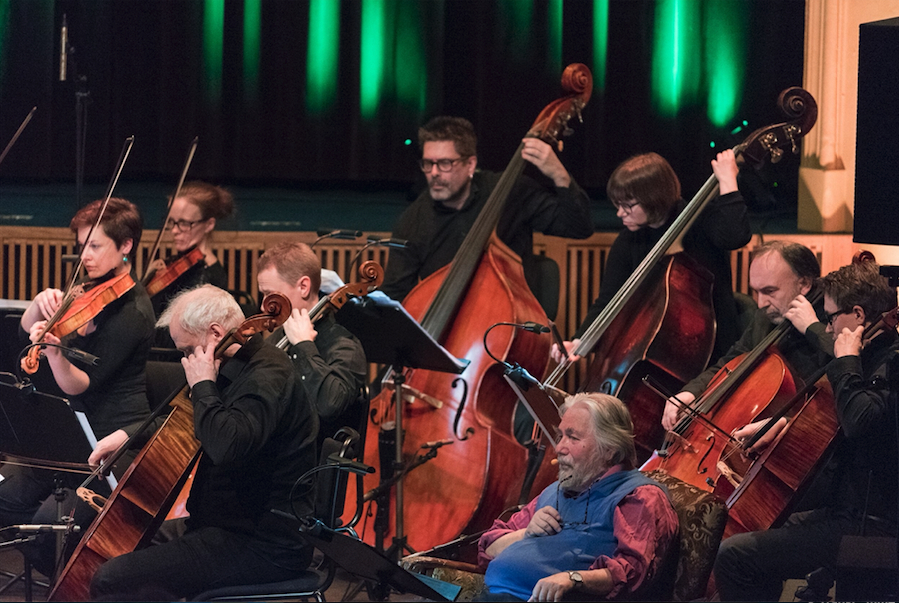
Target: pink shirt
(645, 525)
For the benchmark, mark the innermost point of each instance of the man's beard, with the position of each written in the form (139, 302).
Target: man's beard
(575, 478)
(449, 197)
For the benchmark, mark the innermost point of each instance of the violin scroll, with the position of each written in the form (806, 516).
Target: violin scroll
(769, 142)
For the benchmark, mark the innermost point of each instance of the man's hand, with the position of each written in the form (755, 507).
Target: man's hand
(299, 327)
(542, 155)
(107, 446)
(545, 522)
(552, 588)
(743, 435)
(848, 343)
(801, 314)
(569, 345)
(674, 409)
(201, 365)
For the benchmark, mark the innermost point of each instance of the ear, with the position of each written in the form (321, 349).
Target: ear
(859, 313)
(304, 287)
(218, 331)
(472, 165)
(125, 248)
(210, 225)
(805, 285)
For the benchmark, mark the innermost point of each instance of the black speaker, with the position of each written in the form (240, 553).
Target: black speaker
(876, 159)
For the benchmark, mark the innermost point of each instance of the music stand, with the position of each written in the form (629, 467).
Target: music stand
(390, 335)
(542, 401)
(364, 561)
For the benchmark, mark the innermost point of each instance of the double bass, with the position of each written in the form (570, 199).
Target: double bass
(140, 501)
(469, 483)
(660, 322)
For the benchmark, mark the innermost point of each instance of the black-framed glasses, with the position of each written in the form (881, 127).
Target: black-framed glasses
(627, 207)
(444, 165)
(182, 224)
(830, 317)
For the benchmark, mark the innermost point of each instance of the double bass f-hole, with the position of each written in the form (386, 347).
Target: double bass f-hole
(469, 431)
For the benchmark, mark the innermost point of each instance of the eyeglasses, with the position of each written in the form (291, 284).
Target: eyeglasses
(627, 207)
(444, 165)
(829, 318)
(182, 224)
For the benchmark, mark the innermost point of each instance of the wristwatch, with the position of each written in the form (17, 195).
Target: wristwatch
(576, 578)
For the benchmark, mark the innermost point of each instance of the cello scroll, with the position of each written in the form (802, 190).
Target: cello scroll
(769, 142)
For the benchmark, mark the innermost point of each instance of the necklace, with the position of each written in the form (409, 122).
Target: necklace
(571, 524)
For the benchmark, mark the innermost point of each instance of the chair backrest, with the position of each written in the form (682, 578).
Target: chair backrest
(330, 485)
(702, 517)
(163, 379)
(542, 275)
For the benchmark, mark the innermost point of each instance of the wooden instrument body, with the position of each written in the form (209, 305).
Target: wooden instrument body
(137, 507)
(666, 331)
(468, 484)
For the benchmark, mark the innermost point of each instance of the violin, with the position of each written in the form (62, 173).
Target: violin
(168, 271)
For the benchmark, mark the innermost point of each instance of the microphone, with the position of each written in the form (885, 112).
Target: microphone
(521, 376)
(45, 527)
(63, 49)
(534, 327)
(350, 465)
(436, 444)
(76, 354)
(395, 243)
(339, 234)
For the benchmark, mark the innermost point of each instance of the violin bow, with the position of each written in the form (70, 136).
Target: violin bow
(190, 157)
(18, 133)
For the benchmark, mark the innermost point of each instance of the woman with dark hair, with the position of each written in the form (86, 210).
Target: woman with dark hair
(112, 394)
(647, 194)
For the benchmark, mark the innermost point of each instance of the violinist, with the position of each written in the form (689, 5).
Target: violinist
(647, 194)
(257, 432)
(112, 393)
(439, 219)
(192, 219)
(863, 492)
(781, 274)
(328, 360)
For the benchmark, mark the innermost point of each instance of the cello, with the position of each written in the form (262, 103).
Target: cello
(669, 334)
(147, 490)
(469, 483)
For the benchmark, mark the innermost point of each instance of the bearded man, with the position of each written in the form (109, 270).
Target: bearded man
(601, 531)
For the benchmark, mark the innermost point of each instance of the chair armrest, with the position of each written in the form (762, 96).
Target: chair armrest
(420, 564)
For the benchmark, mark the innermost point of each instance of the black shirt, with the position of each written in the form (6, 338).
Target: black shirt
(257, 430)
(722, 227)
(435, 232)
(332, 370)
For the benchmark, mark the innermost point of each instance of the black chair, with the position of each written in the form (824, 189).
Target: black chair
(542, 276)
(330, 491)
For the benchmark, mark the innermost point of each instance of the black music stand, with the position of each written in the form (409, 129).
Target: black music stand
(366, 562)
(390, 335)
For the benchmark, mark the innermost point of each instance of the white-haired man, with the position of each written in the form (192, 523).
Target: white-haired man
(600, 531)
(257, 431)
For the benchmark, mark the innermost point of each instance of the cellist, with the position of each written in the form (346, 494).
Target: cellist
(647, 196)
(112, 393)
(863, 487)
(257, 432)
(438, 220)
(781, 274)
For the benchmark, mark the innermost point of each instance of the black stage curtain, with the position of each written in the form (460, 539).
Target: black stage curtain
(144, 77)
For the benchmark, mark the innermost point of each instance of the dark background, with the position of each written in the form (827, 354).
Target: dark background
(142, 61)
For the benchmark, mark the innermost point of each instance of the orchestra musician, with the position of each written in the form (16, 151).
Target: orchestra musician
(782, 274)
(192, 219)
(328, 360)
(113, 393)
(863, 484)
(257, 430)
(439, 219)
(602, 530)
(647, 195)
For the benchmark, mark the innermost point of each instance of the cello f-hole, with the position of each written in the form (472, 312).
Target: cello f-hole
(469, 431)
(699, 468)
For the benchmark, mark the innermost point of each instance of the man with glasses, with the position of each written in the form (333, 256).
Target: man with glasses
(782, 274)
(862, 476)
(601, 531)
(438, 221)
